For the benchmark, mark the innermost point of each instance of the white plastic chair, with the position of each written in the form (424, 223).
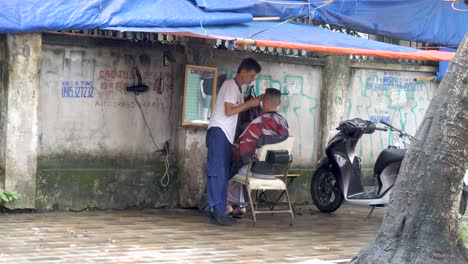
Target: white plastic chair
(257, 184)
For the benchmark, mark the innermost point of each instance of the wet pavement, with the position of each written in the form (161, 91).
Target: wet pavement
(184, 236)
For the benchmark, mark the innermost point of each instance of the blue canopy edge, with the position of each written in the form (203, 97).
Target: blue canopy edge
(431, 21)
(40, 15)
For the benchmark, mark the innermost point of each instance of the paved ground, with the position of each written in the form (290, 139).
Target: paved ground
(183, 236)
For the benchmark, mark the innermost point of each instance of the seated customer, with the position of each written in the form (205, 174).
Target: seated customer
(268, 128)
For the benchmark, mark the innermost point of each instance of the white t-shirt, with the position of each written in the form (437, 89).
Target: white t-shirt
(228, 93)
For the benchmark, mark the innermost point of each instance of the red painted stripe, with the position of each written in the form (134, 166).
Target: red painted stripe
(433, 55)
(418, 55)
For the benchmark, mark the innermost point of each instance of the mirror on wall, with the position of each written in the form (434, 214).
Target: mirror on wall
(199, 94)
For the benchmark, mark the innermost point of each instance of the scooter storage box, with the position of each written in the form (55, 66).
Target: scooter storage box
(276, 157)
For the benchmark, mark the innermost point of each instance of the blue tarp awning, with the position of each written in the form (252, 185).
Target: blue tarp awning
(430, 21)
(184, 18)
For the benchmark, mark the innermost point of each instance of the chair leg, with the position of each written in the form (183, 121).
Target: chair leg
(291, 223)
(257, 199)
(249, 191)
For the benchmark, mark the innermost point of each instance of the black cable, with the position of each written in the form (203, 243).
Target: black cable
(171, 95)
(146, 123)
(165, 151)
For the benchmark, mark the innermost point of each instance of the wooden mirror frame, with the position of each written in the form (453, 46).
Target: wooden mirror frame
(188, 68)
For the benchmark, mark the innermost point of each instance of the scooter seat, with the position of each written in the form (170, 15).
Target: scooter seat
(386, 157)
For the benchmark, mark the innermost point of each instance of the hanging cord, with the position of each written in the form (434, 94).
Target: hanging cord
(165, 179)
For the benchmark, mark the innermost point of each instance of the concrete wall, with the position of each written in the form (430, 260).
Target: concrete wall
(301, 77)
(94, 147)
(389, 93)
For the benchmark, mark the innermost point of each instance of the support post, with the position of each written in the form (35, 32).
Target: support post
(336, 78)
(19, 116)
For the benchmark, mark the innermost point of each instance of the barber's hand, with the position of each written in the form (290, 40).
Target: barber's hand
(254, 102)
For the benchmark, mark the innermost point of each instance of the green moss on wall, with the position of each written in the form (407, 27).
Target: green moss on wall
(77, 181)
(299, 189)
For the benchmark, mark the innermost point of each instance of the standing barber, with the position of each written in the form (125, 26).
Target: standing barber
(220, 136)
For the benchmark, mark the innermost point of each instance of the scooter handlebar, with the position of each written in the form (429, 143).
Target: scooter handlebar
(402, 133)
(390, 126)
(381, 129)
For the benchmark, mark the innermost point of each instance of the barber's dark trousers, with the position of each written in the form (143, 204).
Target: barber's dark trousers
(217, 168)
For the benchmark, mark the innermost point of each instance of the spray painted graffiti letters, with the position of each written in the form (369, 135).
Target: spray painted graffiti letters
(77, 89)
(155, 104)
(115, 74)
(390, 79)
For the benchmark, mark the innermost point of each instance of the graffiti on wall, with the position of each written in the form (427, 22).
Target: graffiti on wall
(393, 79)
(85, 105)
(112, 86)
(391, 96)
(299, 104)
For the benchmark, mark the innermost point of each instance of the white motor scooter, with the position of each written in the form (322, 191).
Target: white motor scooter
(338, 176)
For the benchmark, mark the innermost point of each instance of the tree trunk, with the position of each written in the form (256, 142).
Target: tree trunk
(421, 223)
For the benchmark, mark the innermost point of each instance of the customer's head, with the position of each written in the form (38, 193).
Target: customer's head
(271, 99)
(247, 71)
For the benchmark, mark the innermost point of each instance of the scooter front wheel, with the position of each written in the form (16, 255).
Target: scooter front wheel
(325, 190)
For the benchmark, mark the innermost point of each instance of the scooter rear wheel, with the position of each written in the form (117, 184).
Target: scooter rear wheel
(325, 190)
(463, 203)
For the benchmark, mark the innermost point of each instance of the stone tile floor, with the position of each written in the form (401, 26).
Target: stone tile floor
(184, 236)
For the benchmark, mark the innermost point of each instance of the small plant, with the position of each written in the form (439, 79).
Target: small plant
(464, 232)
(90, 207)
(8, 197)
(41, 201)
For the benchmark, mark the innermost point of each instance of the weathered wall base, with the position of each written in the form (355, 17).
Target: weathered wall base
(192, 180)
(78, 182)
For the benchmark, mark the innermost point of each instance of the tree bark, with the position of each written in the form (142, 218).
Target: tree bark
(421, 223)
